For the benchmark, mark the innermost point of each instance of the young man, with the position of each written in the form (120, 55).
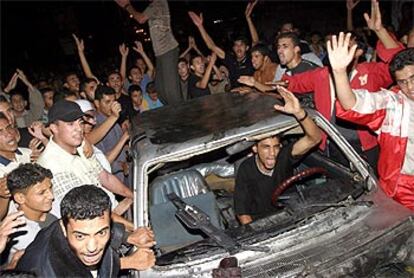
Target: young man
(83, 243)
(198, 82)
(65, 157)
(47, 94)
(184, 73)
(388, 113)
(265, 69)
(87, 89)
(71, 82)
(31, 188)
(258, 175)
(152, 97)
(239, 60)
(138, 103)
(164, 44)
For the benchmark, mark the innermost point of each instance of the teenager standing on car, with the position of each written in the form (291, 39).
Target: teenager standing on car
(271, 164)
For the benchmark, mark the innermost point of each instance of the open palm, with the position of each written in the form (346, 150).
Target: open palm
(340, 55)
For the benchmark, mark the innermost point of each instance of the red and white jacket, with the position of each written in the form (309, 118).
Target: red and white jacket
(388, 114)
(370, 76)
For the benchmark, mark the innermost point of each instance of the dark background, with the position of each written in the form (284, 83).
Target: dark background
(36, 36)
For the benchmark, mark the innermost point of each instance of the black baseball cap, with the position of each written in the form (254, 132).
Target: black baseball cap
(64, 110)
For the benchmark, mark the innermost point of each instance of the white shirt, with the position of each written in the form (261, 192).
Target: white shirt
(6, 165)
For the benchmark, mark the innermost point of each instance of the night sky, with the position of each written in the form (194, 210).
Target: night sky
(36, 36)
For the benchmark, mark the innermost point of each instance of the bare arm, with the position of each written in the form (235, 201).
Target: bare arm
(99, 132)
(252, 27)
(374, 22)
(198, 21)
(126, 4)
(113, 154)
(84, 63)
(12, 83)
(113, 184)
(312, 133)
(35, 99)
(124, 50)
(340, 57)
(150, 66)
(251, 82)
(350, 5)
(141, 259)
(202, 84)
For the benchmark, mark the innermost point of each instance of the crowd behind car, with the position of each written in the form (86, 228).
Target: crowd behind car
(64, 143)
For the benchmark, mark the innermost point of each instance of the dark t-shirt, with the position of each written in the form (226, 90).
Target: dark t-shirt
(254, 190)
(237, 69)
(193, 90)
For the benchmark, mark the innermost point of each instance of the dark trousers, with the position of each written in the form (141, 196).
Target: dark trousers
(167, 82)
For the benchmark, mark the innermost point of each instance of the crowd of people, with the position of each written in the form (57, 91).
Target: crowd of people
(65, 185)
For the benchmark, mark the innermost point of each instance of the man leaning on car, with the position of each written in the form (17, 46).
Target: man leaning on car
(271, 164)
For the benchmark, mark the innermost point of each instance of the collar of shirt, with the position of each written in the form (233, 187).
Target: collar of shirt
(5, 161)
(269, 173)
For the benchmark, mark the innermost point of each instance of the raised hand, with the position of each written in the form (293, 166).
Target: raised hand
(138, 47)
(34, 145)
(197, 19)
(79, 43)
(292, 105)
(142, 259)
(340, 55)
(124, 50)
(249, 8)
(351, 4)
(23, 77)
(115, 109)
(36, 130)
(12, 83)
(9, 226)
(374, 22)
(191, 42)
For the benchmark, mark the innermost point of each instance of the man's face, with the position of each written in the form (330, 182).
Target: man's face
(240, 49)
(405, 79)
(141, 65)
(153, 95)
(89, 121)
(48, 99)
(267, 151)
(8, 136)
(72, 82)
(38, 198)
(286, 51)
(104, 104)
(90, 89)
(183, 70)
(6, 109)
(257, 60)
(136, 98)
(18, 103)
(88, 238)
(286, 28)
(135, 75)
(69, 134)
(115, 82)
(198, 65)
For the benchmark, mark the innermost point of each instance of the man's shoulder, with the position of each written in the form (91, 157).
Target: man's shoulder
(248, 164)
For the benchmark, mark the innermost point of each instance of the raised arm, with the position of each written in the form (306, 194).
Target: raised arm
(35, 99)
(350, 5)
(312, 133)
(12, 83)
(206, 77)
(138, 16)
(340, 56)
(374, 22)
(84, 63)
(99, 132)
(198, 21)
(124, 50)
(150, 66)
(116, 150)
(252, 28)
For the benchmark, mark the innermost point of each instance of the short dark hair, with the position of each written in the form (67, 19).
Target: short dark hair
(289, 35)
(26, 176)
(133, 67)
(194, 57)
(16, 92)
(85, 82)
(182, 60)
(134, 88)
(402, 59)
(261, 48)
(150, 87)
(84, 202)
(45, 90)
(103, 90)
(242, 39)
(111, 73)
(69, 74)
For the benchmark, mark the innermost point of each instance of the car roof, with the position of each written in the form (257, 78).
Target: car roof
(210, 118)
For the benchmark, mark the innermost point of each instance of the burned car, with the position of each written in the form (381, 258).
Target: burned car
(331, 220)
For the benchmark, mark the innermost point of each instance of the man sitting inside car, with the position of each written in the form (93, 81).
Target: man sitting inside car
(258, 175)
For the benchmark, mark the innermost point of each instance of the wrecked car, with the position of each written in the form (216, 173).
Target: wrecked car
(332, 220)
